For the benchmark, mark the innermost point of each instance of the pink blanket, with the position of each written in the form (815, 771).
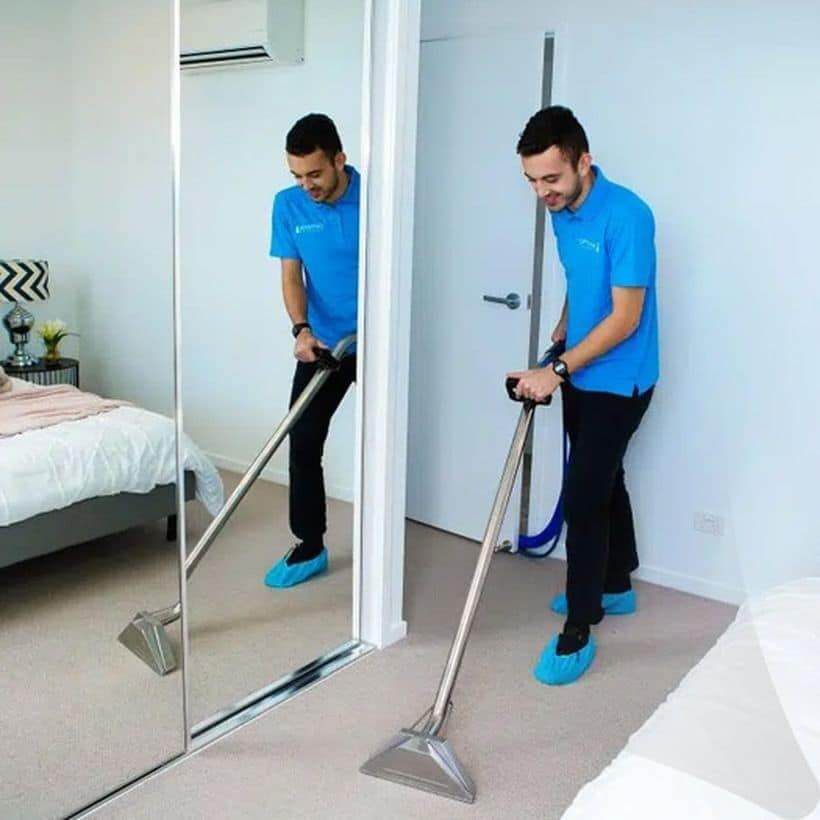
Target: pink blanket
(29, 406)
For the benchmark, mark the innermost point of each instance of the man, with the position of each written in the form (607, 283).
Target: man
(605, 237)
(316, 236)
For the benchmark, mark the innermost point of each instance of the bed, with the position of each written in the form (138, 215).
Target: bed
(739, 739)
(76, 480)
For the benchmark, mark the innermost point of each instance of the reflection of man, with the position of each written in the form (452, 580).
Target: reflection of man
(316, 235)
(606, 242)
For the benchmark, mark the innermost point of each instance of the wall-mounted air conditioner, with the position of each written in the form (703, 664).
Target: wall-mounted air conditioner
(227, 32)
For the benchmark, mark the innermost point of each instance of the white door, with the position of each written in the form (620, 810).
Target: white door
(474, 236)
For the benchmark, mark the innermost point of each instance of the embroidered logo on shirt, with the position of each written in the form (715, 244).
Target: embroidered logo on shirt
(313, 227)
(589, 243)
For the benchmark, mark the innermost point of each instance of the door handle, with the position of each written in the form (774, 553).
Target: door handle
(511, 300)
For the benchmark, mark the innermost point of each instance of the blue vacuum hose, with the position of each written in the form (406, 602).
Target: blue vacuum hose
(543, 543)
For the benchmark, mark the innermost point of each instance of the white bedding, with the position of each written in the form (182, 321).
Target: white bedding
(125, 450)
(739, 739)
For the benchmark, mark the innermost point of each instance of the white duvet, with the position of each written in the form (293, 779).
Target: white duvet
(125, 450)
(739, 739)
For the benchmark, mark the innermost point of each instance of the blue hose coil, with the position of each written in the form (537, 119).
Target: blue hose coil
(544, 543)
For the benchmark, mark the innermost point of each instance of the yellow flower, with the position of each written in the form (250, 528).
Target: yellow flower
(53, 330)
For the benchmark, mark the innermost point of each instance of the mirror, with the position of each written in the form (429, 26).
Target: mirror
(87, 436)
(256, 611)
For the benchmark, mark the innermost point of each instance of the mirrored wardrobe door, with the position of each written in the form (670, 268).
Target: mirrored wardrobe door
(87, 437)
(269, 243)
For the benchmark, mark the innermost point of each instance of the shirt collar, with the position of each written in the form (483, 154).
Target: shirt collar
(351, 194)
(591, 206)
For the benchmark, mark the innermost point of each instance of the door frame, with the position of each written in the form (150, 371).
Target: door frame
(393, 66)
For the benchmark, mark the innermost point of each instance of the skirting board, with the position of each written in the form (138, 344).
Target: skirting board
(703, 587)
(335, 491)
(691, 584)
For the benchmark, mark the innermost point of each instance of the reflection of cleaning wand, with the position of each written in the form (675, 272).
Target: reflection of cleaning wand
(145, 636)
(544, 543)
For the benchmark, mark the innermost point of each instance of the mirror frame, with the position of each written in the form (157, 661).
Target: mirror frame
(276, 692)
(390, 73)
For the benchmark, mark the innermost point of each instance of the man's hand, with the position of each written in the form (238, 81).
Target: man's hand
(305, 342)
(536, 384)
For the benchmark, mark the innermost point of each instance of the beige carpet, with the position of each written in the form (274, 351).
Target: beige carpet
(243, 634)
(529, 748)
(79, 714)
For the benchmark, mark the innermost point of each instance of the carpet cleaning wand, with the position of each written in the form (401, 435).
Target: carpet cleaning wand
(422, 757)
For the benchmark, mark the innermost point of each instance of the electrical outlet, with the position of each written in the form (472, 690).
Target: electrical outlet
(710, 523)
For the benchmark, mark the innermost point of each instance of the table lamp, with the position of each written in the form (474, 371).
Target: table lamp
(21, 280)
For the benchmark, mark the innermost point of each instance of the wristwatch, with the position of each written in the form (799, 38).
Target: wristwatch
(561, 369)
(298, 328)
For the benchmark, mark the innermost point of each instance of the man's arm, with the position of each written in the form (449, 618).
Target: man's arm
(632, 251)
(295, 298)
(293, 290)
(633, 259)
(622, 322)
(293, 285)
(627, 306)
(560, 332)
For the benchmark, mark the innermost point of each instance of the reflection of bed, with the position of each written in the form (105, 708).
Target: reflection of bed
(77, 480)
(92, 518)
(740, 736)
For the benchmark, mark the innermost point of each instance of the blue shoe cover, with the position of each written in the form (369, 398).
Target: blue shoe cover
(283, 575)
(556, 670)
(614, 603)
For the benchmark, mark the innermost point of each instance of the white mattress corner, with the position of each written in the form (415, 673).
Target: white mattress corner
(739, 738)
(637, 788)
(128, 449)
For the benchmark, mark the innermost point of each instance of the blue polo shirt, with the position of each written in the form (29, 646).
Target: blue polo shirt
(610, 242)
(324, 237)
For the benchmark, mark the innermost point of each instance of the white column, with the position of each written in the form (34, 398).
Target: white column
(385, 311)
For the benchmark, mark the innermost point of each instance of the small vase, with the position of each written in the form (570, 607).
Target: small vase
(52, 353)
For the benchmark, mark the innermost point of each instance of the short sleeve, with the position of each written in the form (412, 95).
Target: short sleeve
(632, 248)
(281, 240)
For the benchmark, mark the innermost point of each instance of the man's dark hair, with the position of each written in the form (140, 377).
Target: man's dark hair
(555, 125)
(311, 133)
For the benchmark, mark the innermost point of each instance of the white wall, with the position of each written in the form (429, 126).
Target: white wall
(711, 112)
(35, 143)
(121, 225)
(86, 169)
(237, 349)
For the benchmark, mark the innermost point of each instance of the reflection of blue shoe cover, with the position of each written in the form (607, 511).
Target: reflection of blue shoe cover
(555, 670)
(614, 603)
(283, 575)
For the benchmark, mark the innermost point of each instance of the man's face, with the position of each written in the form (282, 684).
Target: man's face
(316, 175)
(556, 182)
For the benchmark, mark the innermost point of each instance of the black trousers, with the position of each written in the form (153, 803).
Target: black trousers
(601, 549)
(308, 509)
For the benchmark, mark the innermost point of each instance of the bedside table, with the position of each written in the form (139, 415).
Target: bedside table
(63, 371)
